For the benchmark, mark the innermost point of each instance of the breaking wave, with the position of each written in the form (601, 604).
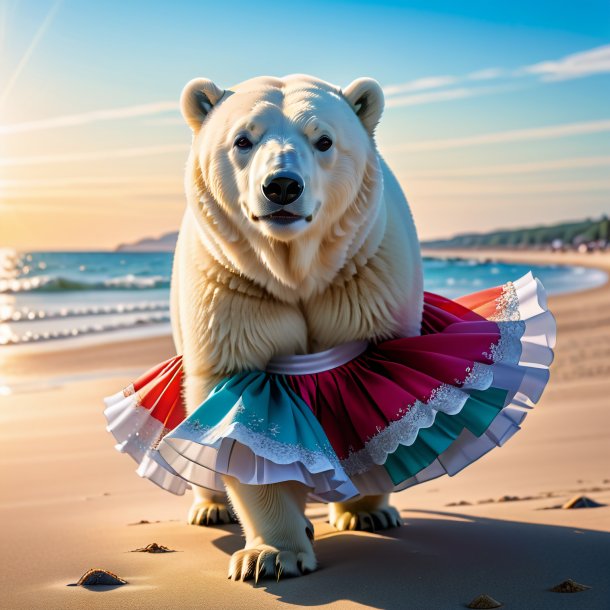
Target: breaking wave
(50, 283)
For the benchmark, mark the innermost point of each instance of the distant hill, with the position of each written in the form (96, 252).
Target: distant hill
(564, 235)
(165, 243)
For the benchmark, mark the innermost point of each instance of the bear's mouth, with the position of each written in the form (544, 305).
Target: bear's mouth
(282, 217)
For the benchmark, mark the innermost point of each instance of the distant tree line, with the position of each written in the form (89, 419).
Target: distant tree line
(583, 235)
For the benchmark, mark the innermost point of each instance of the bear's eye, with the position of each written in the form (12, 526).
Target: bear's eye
(324, 143)
(243, 143)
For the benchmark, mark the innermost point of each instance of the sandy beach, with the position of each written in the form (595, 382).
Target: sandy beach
(70, 502)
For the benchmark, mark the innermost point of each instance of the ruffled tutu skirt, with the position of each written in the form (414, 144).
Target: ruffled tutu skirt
(357, 419)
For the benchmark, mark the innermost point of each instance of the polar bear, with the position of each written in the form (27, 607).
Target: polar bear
(296, 238)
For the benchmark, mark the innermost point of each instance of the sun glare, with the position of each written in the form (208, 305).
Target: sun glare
(40, 32)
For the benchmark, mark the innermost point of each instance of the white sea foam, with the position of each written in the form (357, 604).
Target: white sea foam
(58, 283)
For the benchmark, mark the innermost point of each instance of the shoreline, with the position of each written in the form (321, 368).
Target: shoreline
(592, 259)
(596, 260)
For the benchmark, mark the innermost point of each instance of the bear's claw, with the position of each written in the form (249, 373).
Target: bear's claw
(381, 519)
(267, 561)
(210, 513)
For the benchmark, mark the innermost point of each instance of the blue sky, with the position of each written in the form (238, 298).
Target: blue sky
(496, 115)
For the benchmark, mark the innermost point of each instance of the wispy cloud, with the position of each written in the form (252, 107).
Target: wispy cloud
(102, 181)
(95, 116)
(121, 153)
(112, 189)
(430, 97)
(111, 193)
(439, 82)
(452, 87)
(515, 168)
(75, 206)
(577, 65)
(486, 74)
(517, 135)
(25, 58)
(430, 82)
(451, 188)
(168, 120)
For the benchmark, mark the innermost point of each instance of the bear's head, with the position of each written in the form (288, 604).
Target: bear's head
(284, 173)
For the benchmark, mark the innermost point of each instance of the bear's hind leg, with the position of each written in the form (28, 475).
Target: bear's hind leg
(278, 535)
(210, 508)
(369, 513)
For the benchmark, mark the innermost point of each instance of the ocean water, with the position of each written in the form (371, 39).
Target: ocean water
(51, 296)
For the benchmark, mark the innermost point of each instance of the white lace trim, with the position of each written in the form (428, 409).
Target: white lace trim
(314, 460)
(508, 318)
(507, 305)
(446, 398)
(480, 377)
(508, 348)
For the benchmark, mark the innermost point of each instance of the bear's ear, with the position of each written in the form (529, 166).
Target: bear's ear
(366, 97)
(197, 100)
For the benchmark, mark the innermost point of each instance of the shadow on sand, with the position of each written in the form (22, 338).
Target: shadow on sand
(445, 561)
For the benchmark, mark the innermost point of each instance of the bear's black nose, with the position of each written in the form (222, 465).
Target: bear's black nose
(283, 189)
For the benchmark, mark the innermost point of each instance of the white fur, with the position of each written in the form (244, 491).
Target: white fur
(245, 289)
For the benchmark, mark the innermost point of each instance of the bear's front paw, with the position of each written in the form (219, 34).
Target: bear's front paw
(264, 560)
(206, 512)
(369, 521)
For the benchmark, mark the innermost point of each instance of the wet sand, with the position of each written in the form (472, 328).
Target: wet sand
(69, 502)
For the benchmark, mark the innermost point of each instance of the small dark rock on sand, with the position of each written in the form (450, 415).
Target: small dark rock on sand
(154, 548)
(581, 502)
(484, 601)
(509, 499)
(144, 522)
(569, 586)
(98, 577)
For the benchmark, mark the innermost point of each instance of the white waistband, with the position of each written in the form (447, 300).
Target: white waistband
(318, 362)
